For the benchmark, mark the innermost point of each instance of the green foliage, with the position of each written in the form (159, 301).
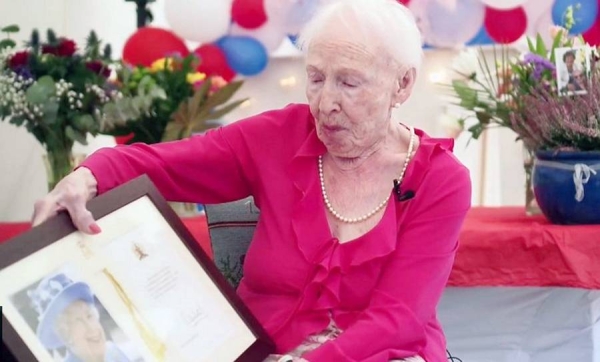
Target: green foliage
(8, 42)
(496, 93)
(57, 94)
(182, 111)
(10, 29)
(51, 37)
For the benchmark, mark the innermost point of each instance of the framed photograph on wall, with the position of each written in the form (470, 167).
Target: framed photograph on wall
(573, 68)
(141, 290)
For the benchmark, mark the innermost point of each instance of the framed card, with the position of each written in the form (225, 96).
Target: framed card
(572, 69)
(141, 290)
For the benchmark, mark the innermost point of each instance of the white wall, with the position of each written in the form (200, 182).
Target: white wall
(22, 174)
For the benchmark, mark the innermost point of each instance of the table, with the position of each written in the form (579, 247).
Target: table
(503, 247)
(521, 290)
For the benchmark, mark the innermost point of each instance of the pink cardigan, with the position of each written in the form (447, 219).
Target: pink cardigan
(381, 289)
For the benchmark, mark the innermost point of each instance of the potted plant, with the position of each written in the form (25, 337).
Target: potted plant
(193, 102)
(565, 134)
(58, 94)
(495, 92)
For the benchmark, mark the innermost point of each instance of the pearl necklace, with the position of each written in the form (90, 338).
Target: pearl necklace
(381, 205)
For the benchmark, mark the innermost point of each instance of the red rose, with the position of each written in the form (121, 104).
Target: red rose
(98, 67)
(49, 49)
(66, 48)
(19, 59)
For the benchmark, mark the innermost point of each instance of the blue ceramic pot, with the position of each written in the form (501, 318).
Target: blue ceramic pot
(566, 188)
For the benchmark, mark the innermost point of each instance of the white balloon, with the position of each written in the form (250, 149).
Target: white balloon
(292, 14)
(535, 10)
(448, 24)
(543, 26)
(270, 34)
(202, 21)
(504, 4)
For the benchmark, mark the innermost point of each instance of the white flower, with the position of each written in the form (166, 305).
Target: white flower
(467, 63)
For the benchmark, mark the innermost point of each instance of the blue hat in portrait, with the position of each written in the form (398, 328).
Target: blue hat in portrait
(52, 295)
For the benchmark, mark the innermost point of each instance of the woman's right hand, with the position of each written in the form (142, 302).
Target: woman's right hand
(71, 194)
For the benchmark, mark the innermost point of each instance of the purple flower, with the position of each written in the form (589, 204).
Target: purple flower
(539, 64)
(23, 72)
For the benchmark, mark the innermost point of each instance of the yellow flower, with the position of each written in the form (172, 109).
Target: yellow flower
(161, 64)
(193, 78)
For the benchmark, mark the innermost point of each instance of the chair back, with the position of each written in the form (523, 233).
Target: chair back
(231, 227)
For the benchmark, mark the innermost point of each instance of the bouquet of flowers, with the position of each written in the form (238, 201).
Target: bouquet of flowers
(57, 93)
(191, 100)
(497, 93)
(560, 123)
(525, 93)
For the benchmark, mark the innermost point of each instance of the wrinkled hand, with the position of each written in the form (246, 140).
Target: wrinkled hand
(70, 194)
(284, 358)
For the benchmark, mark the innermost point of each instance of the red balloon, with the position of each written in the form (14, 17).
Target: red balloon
(592, 35)
(149, 44)
(505, 26)
(404, 2)
(249, 14)
(213, 62)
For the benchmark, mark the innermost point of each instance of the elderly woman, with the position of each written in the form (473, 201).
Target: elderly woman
(360, 215)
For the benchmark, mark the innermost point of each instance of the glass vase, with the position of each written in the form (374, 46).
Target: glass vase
(531, 206)
(59, 163)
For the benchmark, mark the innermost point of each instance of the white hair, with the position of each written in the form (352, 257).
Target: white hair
(388, 20)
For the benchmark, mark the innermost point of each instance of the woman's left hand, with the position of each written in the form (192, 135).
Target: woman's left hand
(284, 358)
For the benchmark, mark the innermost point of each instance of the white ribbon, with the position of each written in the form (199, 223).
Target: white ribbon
(581, 176)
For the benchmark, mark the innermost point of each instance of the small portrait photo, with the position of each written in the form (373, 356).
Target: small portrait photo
(572, 69)
(70, 322)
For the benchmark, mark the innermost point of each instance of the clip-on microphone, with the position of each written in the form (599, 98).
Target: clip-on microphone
(402, 196)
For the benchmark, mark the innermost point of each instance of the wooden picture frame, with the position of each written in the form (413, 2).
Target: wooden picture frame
(143, 289)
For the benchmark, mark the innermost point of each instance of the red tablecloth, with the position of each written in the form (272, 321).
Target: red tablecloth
(504, 247)
(196, 225)
(498, 247)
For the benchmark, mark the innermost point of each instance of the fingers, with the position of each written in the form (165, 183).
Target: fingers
(42, 210)
(81, 216)
(70, 194)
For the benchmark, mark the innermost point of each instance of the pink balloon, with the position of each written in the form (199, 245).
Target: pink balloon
(592, 35)
(505, 26)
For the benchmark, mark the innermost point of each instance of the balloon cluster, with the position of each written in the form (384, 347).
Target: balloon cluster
(235, 36)
(451, 23)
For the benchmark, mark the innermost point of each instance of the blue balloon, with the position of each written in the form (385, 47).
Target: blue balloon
(427, 46)
(481, 38)
(293, 38)
(584, 12)
(244, 54)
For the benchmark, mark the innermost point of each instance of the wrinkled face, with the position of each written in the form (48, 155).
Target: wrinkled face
(351, 90)
(80, 329)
